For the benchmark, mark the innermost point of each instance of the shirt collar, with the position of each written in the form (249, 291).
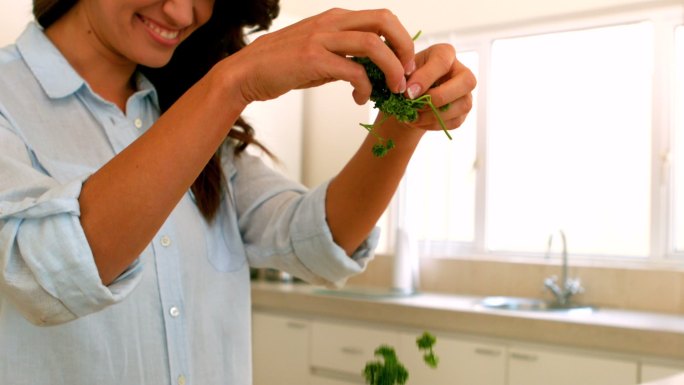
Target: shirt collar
(47, 63)
(54, 73)
(146, 88)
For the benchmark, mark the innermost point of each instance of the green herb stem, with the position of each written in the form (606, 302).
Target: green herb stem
(439, 118)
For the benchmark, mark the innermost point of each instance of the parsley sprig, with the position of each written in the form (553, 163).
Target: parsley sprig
(389, 370)
(425, 343)
(394, 105)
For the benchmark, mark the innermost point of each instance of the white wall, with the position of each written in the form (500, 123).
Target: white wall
(14, 14)
(445, 15)
(331, 131)
(279, 123)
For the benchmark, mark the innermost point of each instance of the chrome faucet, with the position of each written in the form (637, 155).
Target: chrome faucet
(567, 287)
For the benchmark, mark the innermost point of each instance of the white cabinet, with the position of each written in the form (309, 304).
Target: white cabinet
(280, 349)
(297, 351)
(460, 362)
(651, 372)
(543, 367)
(472, 362)
(339, 351)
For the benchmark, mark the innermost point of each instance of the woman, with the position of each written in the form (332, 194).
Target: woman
(129, 215)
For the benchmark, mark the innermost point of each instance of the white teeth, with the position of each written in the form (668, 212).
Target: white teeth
(166, 34)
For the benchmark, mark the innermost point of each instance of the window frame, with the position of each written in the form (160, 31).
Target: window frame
(672, 116)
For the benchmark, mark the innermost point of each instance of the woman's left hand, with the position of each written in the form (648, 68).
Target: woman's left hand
(360, 193)
(447, 81)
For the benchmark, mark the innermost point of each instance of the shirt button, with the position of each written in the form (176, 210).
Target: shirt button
(174, 311)
(165, 241)
(181, 380)
(138, 123)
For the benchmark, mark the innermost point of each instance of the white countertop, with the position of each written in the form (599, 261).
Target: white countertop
(620, 331)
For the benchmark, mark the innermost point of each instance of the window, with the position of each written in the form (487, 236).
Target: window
(569, 140)
(568, 133)
(440, 181)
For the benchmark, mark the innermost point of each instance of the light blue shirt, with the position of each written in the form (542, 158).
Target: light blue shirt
(181, 313)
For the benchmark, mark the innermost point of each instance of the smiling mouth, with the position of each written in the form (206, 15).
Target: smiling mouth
(166, 34)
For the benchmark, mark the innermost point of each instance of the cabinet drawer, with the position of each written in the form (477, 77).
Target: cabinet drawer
(651, 372)
(281, 350)
(537, 367)
(346, 348)
(460, 362)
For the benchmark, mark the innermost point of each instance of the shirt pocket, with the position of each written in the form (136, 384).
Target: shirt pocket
(226, 251)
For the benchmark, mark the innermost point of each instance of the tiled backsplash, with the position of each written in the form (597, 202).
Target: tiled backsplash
(623, 288)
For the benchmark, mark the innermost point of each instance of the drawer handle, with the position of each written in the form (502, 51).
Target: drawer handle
(351, 350)
(524, 357)
(296, 325)
(335, 375)
(488, 352)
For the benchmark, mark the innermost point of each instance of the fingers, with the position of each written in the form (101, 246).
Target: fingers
(316, 50)
(369, 45)
(447, 81)
(453, 117)
(360, 33)
(383, 22)
(458, 82)
(334, 67)
(433, 64)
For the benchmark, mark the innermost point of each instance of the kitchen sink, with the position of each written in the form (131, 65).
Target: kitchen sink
(365, 292)
(532, 304)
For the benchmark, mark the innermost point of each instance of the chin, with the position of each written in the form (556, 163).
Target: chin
(155, 62)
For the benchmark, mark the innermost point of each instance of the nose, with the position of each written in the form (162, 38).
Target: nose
(180, 12)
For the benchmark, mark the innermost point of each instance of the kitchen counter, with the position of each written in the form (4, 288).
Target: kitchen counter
(610, 330)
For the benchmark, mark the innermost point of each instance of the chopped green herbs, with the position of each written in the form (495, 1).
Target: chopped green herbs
(425, 343)
(389, 370)
(394, 105)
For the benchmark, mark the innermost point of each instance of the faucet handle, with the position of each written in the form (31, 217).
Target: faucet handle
(551, 283)
(573, 286)
(563, 291)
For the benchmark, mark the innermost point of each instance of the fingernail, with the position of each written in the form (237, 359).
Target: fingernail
(410, 67)
(414, 91)
(402, 86)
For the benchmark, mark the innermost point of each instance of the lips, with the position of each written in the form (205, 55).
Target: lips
(164, 34)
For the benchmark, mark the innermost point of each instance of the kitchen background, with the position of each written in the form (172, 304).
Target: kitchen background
(321, 131)
(480, 233)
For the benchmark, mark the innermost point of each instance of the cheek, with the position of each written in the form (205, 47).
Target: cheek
(204, 9)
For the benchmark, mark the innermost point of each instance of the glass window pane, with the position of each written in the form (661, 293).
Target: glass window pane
(440, 181)
(569, 141)
(679, 143)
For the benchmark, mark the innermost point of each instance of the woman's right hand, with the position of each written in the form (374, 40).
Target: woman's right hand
(315, 51)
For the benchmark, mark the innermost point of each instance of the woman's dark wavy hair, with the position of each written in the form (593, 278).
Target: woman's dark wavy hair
(223, 35)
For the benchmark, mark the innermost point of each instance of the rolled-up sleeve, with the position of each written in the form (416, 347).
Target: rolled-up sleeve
(47, 270)
(313, 243)
(284, 225)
